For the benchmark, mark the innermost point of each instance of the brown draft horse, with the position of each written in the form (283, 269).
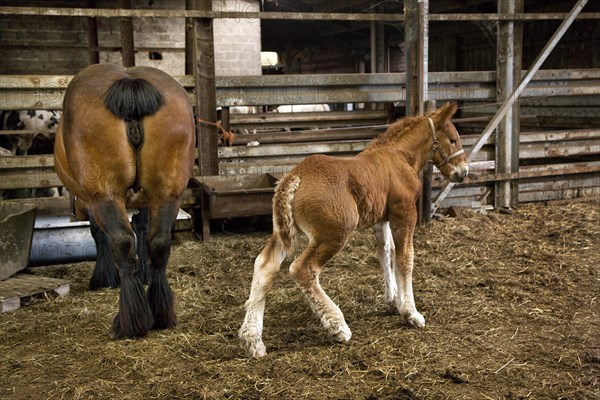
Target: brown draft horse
(327, 198)
(126, 140)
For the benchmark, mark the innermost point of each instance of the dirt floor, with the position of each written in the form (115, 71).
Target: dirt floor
(511, 302)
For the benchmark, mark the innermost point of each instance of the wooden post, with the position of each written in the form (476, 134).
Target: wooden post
(507, 136)
(127, 45)
(92, 37)
(225, 119)
(204, 72)
(427, 177)
(416, 31)
(189, 39)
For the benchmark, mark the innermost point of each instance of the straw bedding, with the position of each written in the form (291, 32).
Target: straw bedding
(511, 303)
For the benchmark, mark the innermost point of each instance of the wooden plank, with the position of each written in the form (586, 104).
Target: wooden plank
(316, 118)
(28, 179)
(46, 92)
(273, 15)
(536, 173)
(60, 82)
(292, 148)
(556, 190)
(21, 286)
(319, 135)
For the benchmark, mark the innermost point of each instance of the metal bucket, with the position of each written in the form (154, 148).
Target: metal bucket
(16, 231)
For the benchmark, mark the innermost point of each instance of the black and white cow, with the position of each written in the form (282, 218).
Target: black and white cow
(27, 120)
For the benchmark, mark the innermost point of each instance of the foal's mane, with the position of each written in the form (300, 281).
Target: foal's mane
(397, 129)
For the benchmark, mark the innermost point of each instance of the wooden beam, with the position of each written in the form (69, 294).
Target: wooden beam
(507, 137)
(271, 15)
(127, 46)
(92, 36)
(206, 106)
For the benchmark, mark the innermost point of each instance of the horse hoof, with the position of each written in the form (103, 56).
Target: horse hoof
(416, 320)
(131, 330)
(254, 349)
(344, 335)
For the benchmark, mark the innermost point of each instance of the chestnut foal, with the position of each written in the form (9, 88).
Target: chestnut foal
(327, 198)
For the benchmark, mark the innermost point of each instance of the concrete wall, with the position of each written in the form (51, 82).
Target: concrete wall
(237, 41)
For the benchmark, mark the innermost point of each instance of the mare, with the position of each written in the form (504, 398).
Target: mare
(126, 140)
(326, 198)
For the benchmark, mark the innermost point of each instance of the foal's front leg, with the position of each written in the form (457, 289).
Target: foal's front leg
(402, 232)
(386, 252)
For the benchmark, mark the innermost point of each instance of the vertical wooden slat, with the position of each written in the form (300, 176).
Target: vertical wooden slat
(516, 128)
(127, 44)
(204, 72)
(507, 137)
(189, 39)
(427, 177)
(92, 36)
(416, 31)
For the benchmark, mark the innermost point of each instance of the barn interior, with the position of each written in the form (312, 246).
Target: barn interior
(507, 260)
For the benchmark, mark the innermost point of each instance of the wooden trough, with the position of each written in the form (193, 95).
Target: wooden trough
(233, 197)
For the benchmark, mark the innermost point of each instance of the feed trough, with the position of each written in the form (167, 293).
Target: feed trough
(234, 197)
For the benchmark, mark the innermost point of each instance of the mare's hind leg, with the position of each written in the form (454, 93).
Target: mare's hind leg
(134, 318)
(386, 251)
(140, 223)
(306, 269)
(266, 268)
(160, 295)
(105, 272)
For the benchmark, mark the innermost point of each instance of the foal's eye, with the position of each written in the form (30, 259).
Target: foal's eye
(453, 141)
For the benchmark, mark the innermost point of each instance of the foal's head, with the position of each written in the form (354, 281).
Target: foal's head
(447, 152)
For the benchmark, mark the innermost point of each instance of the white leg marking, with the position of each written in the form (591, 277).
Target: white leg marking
(386, 254)
(266, 267)
(406, 301)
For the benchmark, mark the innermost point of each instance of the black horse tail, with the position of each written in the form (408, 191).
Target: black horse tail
(131, 99)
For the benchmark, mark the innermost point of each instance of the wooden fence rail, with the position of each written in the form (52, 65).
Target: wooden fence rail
(26, 92)
(555, 163)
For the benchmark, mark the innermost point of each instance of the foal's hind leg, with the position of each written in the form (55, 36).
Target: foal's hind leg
(266, 268)
(386, 251)
(105, 272)
(160, 295)
(305, 270)
(135, 317)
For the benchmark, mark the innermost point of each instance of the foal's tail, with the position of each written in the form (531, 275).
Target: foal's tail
(283, 221)
(131, 99)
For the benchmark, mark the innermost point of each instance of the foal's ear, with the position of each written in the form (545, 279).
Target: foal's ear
(444, 113)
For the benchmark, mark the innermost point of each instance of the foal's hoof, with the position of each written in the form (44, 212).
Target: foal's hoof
(416, 320)
(344, 335)
(254, 348)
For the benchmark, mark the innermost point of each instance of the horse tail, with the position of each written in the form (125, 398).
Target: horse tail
(131, 99)
(284, 225)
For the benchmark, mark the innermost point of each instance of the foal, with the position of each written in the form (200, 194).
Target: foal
(327, 198)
